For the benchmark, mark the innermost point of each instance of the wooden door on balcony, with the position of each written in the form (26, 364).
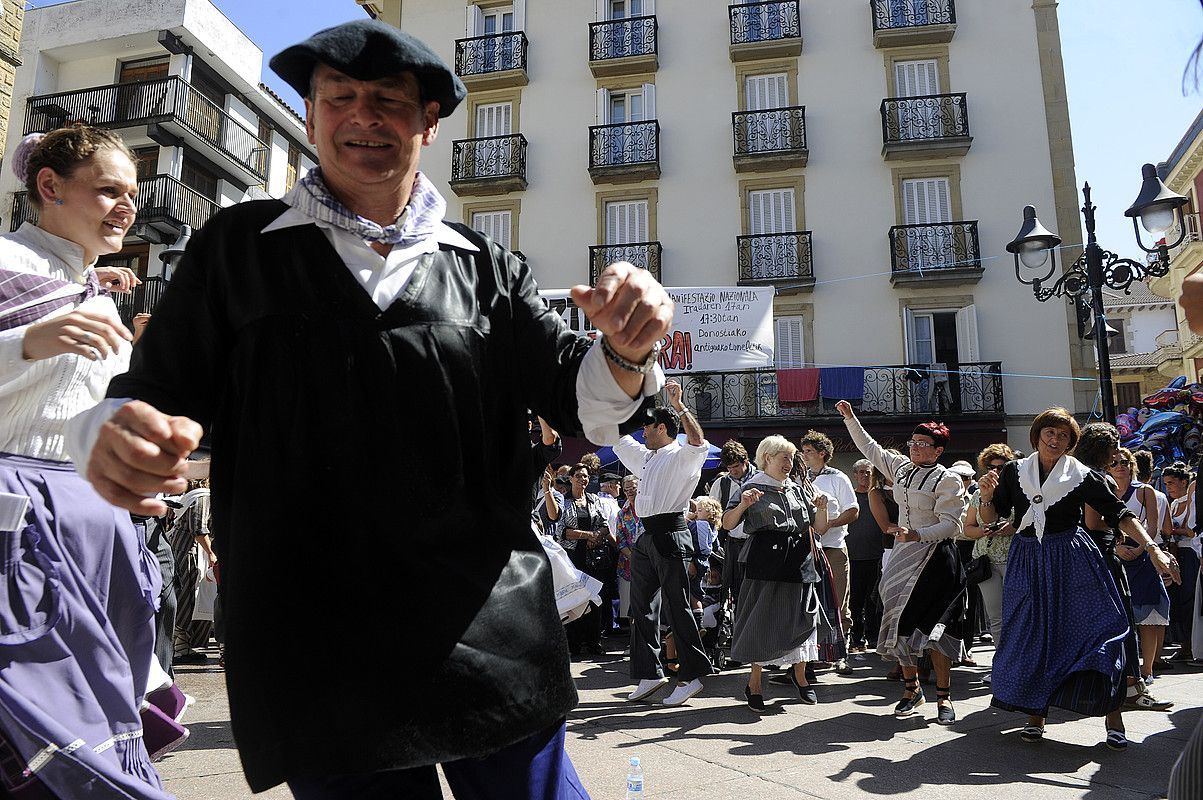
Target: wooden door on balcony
(918, 120)
(905, 13)
(500, 52)
(140, 102)
(205, 107)
(631, 144)
(771, 212)
(627, 39)
(927, 202)
(492, 157)
(764, 93)
(946, 343)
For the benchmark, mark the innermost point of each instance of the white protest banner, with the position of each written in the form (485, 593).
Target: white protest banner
(715, 328)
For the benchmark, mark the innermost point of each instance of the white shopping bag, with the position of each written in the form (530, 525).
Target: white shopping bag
(206, 595)
(574, 589)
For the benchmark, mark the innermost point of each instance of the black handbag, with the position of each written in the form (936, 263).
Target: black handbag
(979, 570)
(778, 549)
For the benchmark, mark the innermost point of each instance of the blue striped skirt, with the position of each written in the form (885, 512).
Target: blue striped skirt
(1063, 629)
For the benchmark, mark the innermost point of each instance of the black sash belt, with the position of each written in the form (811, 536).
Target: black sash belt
(670, 535)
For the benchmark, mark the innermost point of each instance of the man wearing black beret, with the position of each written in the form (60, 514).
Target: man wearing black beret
(345, 346)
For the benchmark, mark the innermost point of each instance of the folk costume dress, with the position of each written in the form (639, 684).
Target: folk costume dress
(778, 622)
(314, 379)
(923, 583)
(80, 588)
(1064, 623)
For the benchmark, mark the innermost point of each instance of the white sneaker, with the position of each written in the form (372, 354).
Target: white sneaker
(683, 692)
(646, 688)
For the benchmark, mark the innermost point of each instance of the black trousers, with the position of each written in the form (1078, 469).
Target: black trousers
(158, 544)
(863, 600)
(657, 578)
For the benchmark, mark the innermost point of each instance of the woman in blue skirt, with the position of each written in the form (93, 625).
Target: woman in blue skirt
(1064, 623)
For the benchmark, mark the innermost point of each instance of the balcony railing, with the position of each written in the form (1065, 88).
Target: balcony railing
(142, 300)
(764, 22)
(949, 246)
(970, 389)
(496, 52)
(633, 38)
(780, 259)
(497, 161)
(892, 14)
(165, 100)
(1191, 223)
(629, 146)
(770, 135)
(163, 203)
(645, 255)
(909, 122)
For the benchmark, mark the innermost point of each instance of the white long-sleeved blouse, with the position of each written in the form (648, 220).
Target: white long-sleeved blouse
(38, 397)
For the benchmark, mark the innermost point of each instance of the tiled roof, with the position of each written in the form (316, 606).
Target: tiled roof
(1140, 295)
(1145, 360)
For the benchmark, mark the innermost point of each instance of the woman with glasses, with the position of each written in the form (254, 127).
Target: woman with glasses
(1063, 616)
(992, 542)
(1150, 600)
(586, 537)
(922, 586)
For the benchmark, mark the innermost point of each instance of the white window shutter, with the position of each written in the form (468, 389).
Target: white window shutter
(476, 21)
(943, 199)
(788, 335)
(908, 326)
(603, 10)
(603, 106)
(649, 101)
(649, 8)
(967, 345)
(519, 15)
(930, 78)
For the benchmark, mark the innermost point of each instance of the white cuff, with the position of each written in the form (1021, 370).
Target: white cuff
(12, 349)
(83, 428)
(601, 402)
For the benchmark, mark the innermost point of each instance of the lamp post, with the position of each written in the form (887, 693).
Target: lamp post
(1035, 248)
(172, 255)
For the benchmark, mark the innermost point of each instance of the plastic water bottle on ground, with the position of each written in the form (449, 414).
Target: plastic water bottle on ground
(635, 780)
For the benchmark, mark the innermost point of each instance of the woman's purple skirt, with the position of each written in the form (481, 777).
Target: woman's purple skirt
(1063, 629)
(76, 636)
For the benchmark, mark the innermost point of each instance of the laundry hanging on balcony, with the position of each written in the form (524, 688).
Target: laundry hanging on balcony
(797, 385)
(842, 383)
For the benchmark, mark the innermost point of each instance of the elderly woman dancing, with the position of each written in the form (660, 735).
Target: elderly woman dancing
(1064, 621)
(779, 618)
(923, 585)
(77, 624)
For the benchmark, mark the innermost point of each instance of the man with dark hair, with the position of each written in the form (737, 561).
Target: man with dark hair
(668, 472)
(816, 451)
(733, 457)
(321, 335)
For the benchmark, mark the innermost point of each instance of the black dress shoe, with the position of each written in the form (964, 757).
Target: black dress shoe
(755, 701)
(595, 649)
(807, 693)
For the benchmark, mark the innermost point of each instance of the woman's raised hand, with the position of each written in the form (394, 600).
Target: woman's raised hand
(750, 497)
(845, 409)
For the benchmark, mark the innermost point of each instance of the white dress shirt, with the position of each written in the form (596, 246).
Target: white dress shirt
(836, 486)
(667, 476)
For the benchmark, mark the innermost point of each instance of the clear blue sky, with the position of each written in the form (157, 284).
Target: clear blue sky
(1123, 70)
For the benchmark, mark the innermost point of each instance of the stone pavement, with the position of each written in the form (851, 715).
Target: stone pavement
(848, 746)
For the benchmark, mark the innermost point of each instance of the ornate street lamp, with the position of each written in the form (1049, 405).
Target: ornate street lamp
(172, 255)
(1035, 250)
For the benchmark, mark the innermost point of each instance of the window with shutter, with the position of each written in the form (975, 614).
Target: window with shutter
(494, 224)
(928, 202)
(788, 342)
(626, 222)
(491, 156)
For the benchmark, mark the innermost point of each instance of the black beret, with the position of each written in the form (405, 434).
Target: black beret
(607, 477)
(367, 49)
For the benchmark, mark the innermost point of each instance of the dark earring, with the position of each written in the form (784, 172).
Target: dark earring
(58, 201)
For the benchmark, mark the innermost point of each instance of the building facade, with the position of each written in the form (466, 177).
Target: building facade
(868, 161)
(12, 15)
(1145, 354)
(1183, 173)
(180, 83)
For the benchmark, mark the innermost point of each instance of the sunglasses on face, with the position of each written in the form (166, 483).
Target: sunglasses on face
(997, 466)
(1118, 463)
(917, 444)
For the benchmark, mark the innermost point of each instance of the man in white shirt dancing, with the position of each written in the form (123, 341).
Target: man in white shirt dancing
(668, 473)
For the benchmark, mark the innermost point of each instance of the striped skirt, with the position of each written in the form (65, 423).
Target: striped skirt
(1064, 627)
(76, 636)
(777, 623)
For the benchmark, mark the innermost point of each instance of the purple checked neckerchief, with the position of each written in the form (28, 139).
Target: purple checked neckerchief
(26, 297)
(425, 211)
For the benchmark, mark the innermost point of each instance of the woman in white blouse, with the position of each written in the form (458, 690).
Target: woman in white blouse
(81, 587)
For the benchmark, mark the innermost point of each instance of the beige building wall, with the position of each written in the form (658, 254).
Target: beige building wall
(10, 45)
(1004, 55)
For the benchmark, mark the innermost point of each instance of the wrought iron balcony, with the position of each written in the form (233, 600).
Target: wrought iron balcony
(765, 30)
(142, 300)
(778, 259)
(645, 255)
(945, 253)
(172, 110)
(897, 23)
(489, 165)
(623, 46)
(749, 397)
(1190, 221)
(770, 140)
(624, 153)
(924, 127)
(494, 61)
(164, 205)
